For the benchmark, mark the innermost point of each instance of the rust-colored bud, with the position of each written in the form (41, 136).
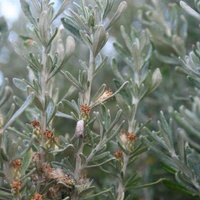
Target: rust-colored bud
(37, 196)
(118, 154)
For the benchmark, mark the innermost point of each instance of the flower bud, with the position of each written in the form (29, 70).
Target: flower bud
(79, 132)
(70, 46)
(156, 79)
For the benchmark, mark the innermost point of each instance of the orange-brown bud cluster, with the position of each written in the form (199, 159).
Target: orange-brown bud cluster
(85, 109)
(16, 164)
(131, 137)
(16, 185)
(118, 154)
(127, 139)
(48, 134)
(35, 124)
(36, 196)
(37, 128)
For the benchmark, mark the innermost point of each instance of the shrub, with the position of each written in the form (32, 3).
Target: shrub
(68, 132)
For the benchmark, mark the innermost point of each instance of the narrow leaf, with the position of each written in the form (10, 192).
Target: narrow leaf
(62, 8)
(27, 159)
(189, 10)
(19, 83)
(27, 12)
(28, 101)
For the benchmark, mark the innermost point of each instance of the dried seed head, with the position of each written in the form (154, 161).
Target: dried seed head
(61, 177)
(123, 138)
(105, 95)
(58, 175)
(47, 169)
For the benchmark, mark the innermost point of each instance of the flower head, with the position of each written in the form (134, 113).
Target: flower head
(36, 196)
(85, 109)
(35, 124)
(16, 185)
(48, 135)
(118, 154)
(16, 164)
(131, 137)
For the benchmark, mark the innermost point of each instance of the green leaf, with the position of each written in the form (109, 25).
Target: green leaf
(27, 102)
(51, 110)
(116, 70)
(97, 194)
(167, 128)
(10, 113)
(126, 38)
(72, 79)
(3, 31)
(100, 156)
(124, 106)
(86, 191)
(61, 114)
(159, 154)
(44, 28)
(62, 8)
(121, 8)
(100, 39)
(71, 27)
(101, 65)
(20, 83)
(123, 92)
(99, 164)
(6, 95)
(3, 155)
(132, 180)
(99, 93)
(175, 186)
(27, 12)
(166, 59)
(38, 103)
(27, 159)
(185, 183)
(189, 10)
(184, 123)
(6, 195)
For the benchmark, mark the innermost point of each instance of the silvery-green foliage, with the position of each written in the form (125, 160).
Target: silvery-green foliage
(168, 28)
(68, 136)
(34, 166)
(183, 159)
(136, 55)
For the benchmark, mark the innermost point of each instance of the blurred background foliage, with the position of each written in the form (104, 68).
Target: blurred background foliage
(173, 92)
